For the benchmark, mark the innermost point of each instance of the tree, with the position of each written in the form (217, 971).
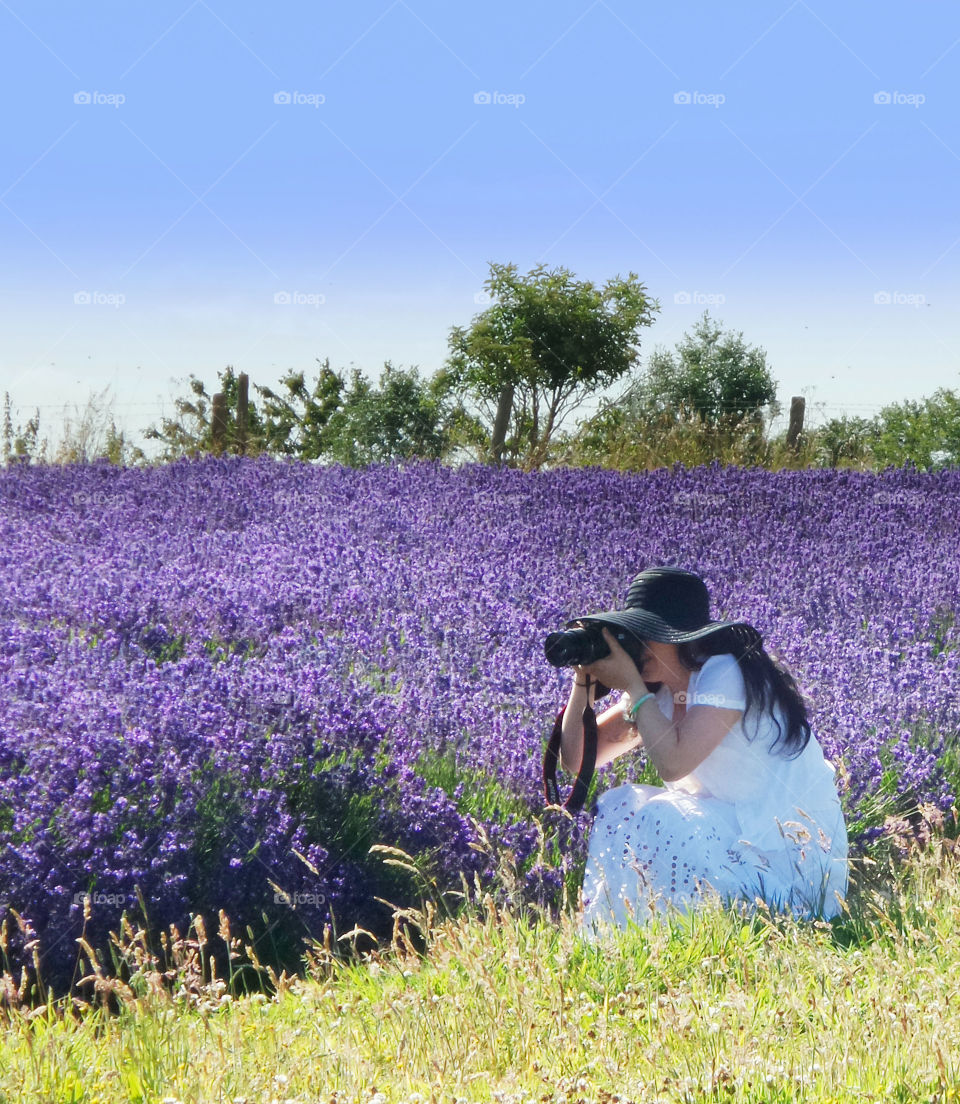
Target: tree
(191, 434)
(353, 423)
(714, 374)
(402, 418)
(544, 344)
(706, 402)
(844, 438)
(927, 432)
(297, 423)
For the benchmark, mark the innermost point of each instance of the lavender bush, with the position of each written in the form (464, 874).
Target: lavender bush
(223, 681)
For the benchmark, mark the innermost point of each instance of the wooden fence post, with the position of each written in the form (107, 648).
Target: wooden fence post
(218, 424)
(797, 404)
(242, 412)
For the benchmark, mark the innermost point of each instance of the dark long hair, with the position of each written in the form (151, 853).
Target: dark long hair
(766, 680)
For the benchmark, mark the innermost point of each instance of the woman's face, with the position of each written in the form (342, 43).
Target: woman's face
(661, 663)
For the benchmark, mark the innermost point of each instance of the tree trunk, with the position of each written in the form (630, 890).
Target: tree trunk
(501, 422)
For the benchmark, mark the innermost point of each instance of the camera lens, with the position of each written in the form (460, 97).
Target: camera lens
(575, 646)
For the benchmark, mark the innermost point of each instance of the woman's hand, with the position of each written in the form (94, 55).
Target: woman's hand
(617, 670)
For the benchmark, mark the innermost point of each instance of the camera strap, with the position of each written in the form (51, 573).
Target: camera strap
(551, 757)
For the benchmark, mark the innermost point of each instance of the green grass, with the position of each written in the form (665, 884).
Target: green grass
(482, 796)
(502, 1006)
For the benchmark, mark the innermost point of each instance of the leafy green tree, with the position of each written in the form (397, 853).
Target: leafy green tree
(401, 418)
(545, 343)
(713, 374)
(297, 422)
(708, 400)
(844, 439)
(925, 432)
(351, 422)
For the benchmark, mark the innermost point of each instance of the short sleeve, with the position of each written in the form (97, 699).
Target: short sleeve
(720, 683)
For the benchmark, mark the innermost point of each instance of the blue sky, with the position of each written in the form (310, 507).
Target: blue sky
(189, 185)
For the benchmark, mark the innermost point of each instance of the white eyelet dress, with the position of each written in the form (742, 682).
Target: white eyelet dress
(746, 823)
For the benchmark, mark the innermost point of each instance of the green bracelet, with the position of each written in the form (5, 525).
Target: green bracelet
(629, 715)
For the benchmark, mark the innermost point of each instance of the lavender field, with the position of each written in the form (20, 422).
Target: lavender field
(222, 682)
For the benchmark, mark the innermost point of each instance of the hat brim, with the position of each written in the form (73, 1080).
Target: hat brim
(648, 626)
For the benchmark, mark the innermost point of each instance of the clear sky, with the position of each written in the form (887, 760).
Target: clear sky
(186, 185)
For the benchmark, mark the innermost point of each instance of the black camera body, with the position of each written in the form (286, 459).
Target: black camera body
(576, 647)
(584, 645)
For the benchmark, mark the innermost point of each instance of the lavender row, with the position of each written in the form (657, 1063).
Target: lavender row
(223, 680)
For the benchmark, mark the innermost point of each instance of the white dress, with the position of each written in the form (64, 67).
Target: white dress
(745, 824)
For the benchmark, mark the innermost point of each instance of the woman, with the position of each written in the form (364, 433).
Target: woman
(749, 808)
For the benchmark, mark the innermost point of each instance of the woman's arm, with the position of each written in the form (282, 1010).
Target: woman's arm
(677, 749)
(674, 748)
(614, 734)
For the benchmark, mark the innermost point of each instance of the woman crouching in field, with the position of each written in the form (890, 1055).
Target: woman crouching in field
(749, 808)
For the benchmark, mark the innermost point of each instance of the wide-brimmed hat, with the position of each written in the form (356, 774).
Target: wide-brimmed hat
(671, 605)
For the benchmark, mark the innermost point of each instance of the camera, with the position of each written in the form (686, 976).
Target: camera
(580, 645)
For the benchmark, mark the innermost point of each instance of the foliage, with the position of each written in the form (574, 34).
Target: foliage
(648, 439)
(545, 343)
(714, 375)
(21, 444)
(347, 421)
(296, 423)
(190, 433)
(844, 441)
(713, 400)
(924, 433)
(403, 418)
(88, 435)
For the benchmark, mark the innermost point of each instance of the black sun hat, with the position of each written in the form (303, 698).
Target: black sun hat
(671, 605)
